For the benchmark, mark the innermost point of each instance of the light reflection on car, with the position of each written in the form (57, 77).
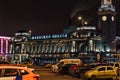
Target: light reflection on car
(8, 72)
(101, 72)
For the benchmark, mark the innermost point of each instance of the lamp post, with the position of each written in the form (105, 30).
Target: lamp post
(30, 32)
(83, 22)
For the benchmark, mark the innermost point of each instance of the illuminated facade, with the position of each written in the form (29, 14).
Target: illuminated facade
(75, 42)
(4, 47)
(50, 48)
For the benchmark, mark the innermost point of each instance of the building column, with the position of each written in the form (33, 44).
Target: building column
(6, 47)
(1, 46)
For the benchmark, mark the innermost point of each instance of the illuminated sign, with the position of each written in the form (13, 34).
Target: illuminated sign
(3, 37)
(50, 36)
(86, 28)
(23, 34)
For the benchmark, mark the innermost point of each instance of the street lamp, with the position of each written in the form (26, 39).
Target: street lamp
(79, 18)
(83, 22)
(30, 32)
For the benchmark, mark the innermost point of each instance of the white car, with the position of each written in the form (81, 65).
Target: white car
(9, 72)
(62, 62)
(54, 68)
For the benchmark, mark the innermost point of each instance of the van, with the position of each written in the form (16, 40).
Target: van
(63, 62)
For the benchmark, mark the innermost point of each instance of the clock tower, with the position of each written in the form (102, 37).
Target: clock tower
(107, 23)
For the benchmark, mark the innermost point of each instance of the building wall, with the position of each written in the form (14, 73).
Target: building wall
(57, 46)
(4, 47)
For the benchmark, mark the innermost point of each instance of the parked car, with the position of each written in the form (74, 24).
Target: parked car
(101, 72)
(64, 69)
(62, 62)
(116, 65)
(74, 68)
(9, 72)
(79, 70)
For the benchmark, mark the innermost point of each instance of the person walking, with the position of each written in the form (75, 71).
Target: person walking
(18, 77)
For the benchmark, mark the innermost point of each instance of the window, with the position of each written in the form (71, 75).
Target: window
(111, 64)
(101, 69)
(0, 72)
(116, 65)
(109, 68)
(23, 72)
(10, 72)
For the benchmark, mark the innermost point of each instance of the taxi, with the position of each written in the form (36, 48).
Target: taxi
(101, 72)
(10, 72)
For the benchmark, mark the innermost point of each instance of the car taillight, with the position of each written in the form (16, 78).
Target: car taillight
(74, 67)
(37, 77)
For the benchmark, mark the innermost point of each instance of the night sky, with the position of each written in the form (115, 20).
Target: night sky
(46, 16)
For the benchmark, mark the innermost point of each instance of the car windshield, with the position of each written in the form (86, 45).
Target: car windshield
(34, 71)
(94, 68)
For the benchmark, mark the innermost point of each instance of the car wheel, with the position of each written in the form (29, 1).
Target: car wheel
(81, 75)
(56, 70)
(93, 77)
(114, 77)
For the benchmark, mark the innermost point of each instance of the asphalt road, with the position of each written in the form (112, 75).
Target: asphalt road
(47, 74)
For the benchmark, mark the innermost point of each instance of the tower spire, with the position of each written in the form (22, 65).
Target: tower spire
(106, 2)
(106, 5)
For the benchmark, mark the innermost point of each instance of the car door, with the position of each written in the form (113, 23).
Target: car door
(117, 66)
(1, 74)
(100, 72)
(109, 71)
(9, 74)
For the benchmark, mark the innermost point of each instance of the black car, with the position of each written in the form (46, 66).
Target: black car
(64, 69)
(79, 72)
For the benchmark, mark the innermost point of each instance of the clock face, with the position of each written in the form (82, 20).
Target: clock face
(112, 18)
(104, 18)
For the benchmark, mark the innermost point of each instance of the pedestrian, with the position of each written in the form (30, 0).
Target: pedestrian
(18, 77)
